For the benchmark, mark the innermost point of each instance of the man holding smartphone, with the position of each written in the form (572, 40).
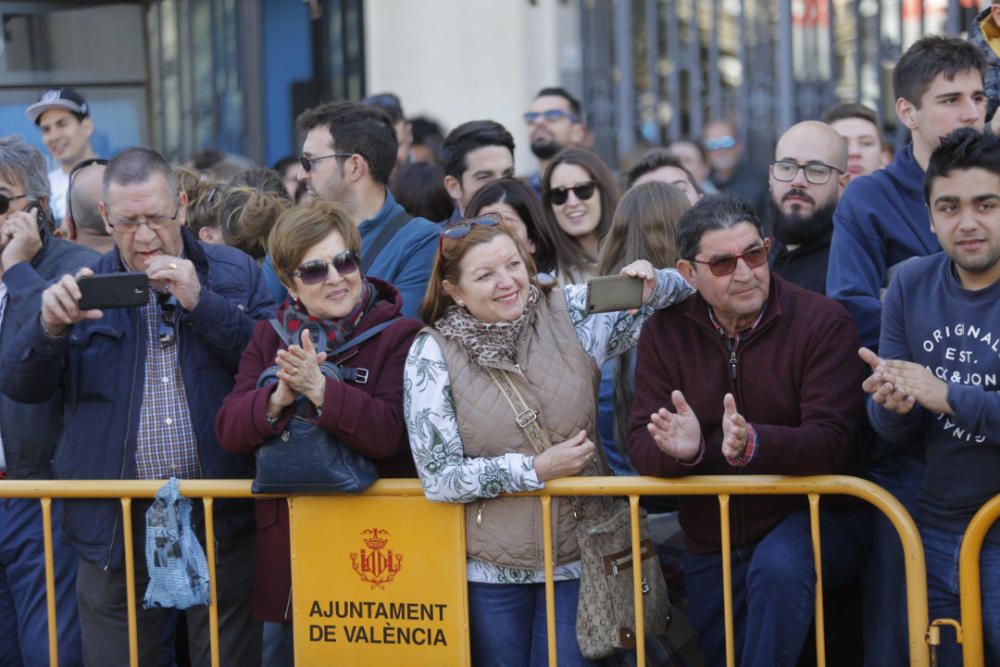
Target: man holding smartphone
(29, 258)
(142, 387)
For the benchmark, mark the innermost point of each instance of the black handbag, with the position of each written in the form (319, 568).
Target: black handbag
(304, 458)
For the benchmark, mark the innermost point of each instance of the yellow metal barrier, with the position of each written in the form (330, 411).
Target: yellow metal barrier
(971, 630)
(722, 486)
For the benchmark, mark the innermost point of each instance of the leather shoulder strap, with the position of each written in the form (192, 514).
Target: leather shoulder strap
(525, 417)
(394, 225)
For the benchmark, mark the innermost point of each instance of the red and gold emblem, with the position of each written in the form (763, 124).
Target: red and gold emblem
(376, 565)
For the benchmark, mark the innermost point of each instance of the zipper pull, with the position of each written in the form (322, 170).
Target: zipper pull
(732, 364)
(479, 513)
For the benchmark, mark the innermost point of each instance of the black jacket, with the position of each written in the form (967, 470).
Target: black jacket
(806, 265)
(30, 431)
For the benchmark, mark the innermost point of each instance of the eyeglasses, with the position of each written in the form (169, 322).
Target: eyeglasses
(154, 222)
(550, 116)
(817, 173)
(167, 332)
(724, 266)
(720, 143)
(583, 192)
(462, 228)
(77, 168)
(5, 201)
(307, 162)
(314, 272)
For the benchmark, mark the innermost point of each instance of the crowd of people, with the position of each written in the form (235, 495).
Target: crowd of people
(826, 313)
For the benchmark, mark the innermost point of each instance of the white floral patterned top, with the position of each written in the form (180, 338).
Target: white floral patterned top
(448, 475)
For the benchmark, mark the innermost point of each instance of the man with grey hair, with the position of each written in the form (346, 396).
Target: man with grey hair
(142, 387)
(29, 259)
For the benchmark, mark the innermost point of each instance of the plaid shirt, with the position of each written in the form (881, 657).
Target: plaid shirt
(166, 445)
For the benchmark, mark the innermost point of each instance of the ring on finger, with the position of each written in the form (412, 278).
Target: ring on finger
(172, 265)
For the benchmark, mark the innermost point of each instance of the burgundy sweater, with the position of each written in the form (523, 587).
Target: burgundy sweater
(797, 380)
(367, 417)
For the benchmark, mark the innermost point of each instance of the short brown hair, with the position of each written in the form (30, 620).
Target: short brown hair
(300, 228)
(448, 264)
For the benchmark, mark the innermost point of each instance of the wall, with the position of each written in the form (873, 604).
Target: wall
(460, 60)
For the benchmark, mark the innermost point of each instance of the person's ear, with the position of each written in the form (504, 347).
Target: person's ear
(452, 290)
(103, 210)
(88, 126)
(906, 112)
(210, 235)
(687, 271)
(453, 187)
(577, 133)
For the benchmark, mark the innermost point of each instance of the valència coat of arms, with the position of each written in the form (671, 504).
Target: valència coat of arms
(376, 565)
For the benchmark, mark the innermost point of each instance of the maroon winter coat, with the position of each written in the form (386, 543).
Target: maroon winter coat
(368, 417)
(797, 380)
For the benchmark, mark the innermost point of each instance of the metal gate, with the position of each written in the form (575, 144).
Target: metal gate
(658, 70)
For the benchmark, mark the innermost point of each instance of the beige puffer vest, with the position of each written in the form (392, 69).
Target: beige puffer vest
(556, 378)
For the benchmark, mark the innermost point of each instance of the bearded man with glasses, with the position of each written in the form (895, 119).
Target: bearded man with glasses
(141, 386)
(750, 375)
(807, 176)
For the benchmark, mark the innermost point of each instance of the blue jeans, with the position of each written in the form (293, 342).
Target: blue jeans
(507, 625)
(24, 624)
(941, 549)
(773, 587)
(885, 629)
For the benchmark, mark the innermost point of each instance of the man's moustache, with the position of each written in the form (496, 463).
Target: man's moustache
(801, 194)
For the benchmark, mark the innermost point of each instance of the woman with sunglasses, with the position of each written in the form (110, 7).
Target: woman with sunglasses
(488, 319)
(315, 253)
(580, 196)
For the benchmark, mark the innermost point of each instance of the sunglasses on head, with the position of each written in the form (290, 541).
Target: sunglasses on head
(583, 192)
(462, 228)
(316, 271)
(5, 201)
(724, 266)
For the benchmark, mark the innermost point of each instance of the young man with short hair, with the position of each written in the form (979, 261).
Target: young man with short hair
(556, 120)
(881, 221)
(63, 116)
(475, 154)
(935, 376)
(858, 125)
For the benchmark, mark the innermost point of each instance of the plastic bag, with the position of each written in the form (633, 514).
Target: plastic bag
(178, 569)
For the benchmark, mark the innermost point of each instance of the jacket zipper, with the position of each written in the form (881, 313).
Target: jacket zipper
(128, 428)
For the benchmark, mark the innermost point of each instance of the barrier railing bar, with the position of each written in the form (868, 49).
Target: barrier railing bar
(818, 568)
(213, 601)
(550, 587)
(727, 579)
(640, 625)
(133, 641)
(50, 581)
(969, 582)
(914, 562)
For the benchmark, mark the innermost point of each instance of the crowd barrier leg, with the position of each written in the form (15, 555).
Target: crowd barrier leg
(818, 568)
(50, 581)
(727, 579)
(970, 593)
(640, 624)
(550, 586)
(213, 602)
(133, 635)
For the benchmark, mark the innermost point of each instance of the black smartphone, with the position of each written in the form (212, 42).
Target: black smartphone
(45, 223)
(113, 290)
(612, 293)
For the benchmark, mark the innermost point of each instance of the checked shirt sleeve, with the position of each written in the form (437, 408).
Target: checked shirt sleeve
(447, 474)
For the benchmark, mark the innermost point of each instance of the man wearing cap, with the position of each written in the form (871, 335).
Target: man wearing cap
(64, 119)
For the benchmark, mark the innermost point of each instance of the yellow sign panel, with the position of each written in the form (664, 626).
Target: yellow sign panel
(378, 581)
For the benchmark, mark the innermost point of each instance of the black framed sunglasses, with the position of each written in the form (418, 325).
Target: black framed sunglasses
(314, 272)
(167, 331)
(307, 162)
(550, 115)
(5, 201)
(583, 192)
(724, 266)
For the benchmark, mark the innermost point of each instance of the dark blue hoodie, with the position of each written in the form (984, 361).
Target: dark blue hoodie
(881, 220)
